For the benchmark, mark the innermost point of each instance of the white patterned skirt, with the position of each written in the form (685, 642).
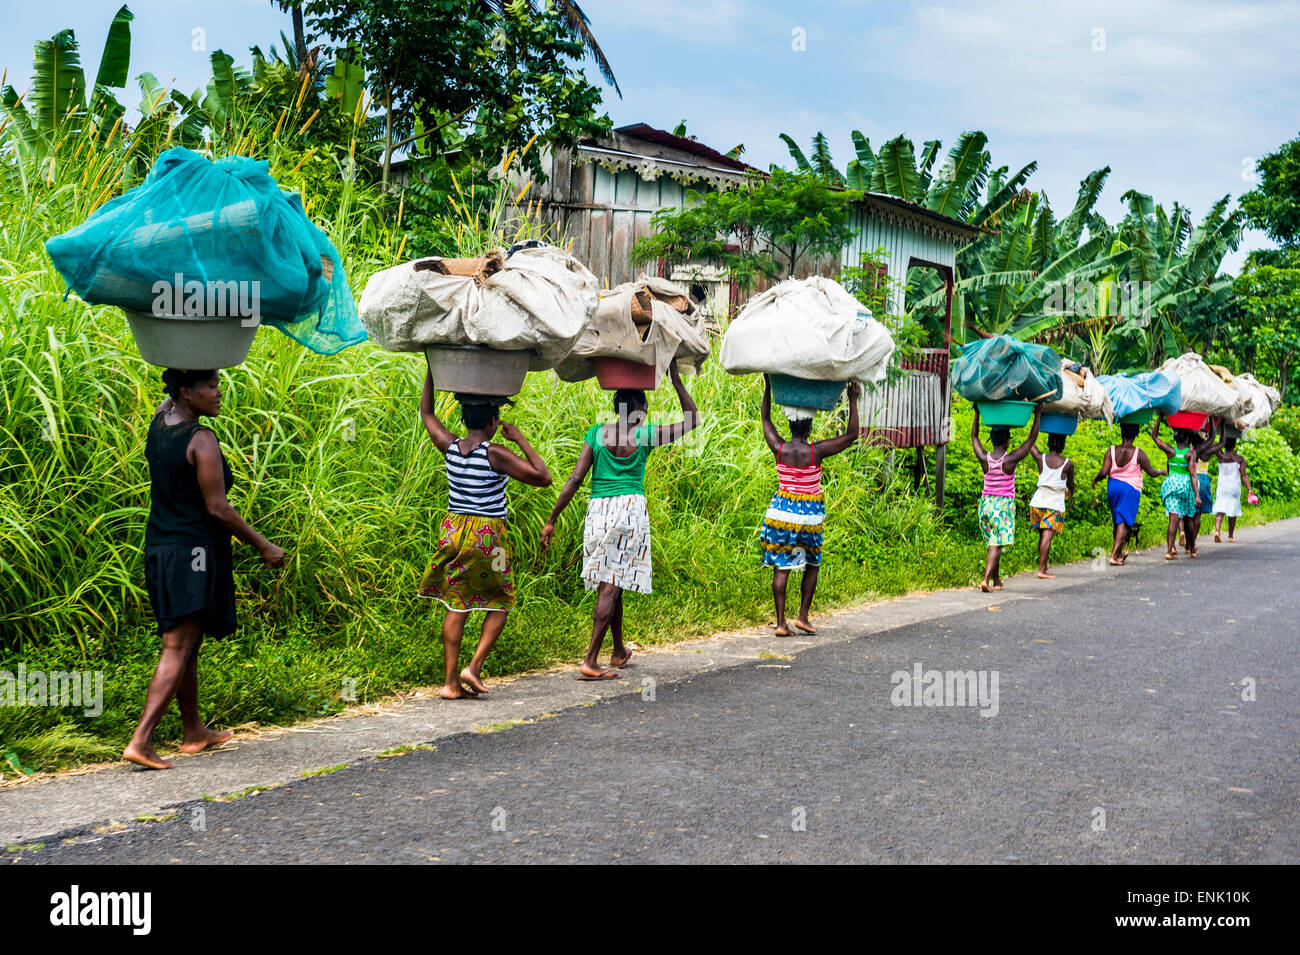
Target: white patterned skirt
(616, 543)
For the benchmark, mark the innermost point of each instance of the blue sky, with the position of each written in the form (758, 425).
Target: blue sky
(1177, 96)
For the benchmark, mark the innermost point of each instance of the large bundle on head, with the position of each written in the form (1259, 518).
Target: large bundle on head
(1256, 402)
(649, 321)
(1003, 368)
(807, 328)
(1204, 389)
(212, 239)
(1081, 394)
(1153, 390)
(537, 300)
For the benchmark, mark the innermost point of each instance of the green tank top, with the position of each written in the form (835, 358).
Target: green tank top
(1178, 462)
(611, 475)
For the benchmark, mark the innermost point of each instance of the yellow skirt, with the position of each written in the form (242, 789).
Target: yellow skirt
(471, 570)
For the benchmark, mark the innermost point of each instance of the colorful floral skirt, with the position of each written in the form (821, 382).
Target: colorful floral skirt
(471, 570)
(791, 535)
(1046, 519)
(1177, 496)
(997, 517)
(616, 543)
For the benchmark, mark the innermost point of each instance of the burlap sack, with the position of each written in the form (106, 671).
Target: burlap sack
(650, 320)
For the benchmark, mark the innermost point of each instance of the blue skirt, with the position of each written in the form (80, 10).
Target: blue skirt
(1123, 499)
(1205, 495)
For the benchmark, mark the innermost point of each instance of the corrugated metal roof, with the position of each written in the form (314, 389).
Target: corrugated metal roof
(662, 137)
(956, 224)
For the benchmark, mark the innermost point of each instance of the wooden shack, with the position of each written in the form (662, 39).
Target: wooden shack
(602, 195)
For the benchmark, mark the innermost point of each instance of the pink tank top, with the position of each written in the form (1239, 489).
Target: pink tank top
(997, 482)
(1130, 474)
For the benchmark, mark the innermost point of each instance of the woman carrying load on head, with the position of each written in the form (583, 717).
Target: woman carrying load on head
(1178, 492)
(187, 555)
(616, 533)
(997, 507)
(1227, 500)
(1047, 506)
(1123, 467)
(471, 570)
(1207, 446)
(791, 535)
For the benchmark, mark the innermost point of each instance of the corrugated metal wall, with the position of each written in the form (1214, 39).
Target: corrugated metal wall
(903, 243)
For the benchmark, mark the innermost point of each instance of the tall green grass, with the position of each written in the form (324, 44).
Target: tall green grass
(331, 462)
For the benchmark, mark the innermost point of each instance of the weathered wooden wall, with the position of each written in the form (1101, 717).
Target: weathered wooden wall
(604, 213)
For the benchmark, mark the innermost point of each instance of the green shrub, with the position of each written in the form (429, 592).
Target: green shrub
(1286, 422)
(1272, 465)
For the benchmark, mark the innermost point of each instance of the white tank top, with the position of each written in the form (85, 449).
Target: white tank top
(1050, 495)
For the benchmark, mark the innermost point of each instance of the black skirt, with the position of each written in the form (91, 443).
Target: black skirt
(192, 580)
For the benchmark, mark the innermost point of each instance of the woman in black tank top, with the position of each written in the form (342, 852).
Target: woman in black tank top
(187, 555)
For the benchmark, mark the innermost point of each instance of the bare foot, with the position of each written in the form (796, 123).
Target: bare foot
(1044, 575)
(997, 583)
(1232, 540)
(621, 662)
(144, 756)
(456, 693)
(597, 673)
(984, 586)
(782, 630)
(204, 739)
(1193, 553)
(805, 626)
(1171, 556)
(1114, 563)
(475, 684)
(1218, 538)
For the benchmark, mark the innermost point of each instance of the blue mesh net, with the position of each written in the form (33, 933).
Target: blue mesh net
(199, 237)
(1160, 390)
(1003, 368)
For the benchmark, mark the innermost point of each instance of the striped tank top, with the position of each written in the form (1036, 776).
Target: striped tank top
(472, 486)
(798, 480)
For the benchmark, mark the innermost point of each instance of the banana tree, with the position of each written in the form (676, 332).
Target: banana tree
(58, 102)
(1172, 266)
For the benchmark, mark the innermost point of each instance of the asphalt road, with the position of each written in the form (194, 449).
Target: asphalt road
(1121, 735)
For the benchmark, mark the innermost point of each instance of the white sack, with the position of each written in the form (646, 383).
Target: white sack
(675, 330)
(1256, 403)
(809, 328)
(1089, 401)
(1203, 390)
(541, 301)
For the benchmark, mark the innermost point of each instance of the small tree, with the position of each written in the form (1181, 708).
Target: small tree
(459, 71)
(1274, 205)
(763, 228)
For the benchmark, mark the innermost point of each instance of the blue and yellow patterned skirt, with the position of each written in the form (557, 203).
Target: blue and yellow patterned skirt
(791, 536)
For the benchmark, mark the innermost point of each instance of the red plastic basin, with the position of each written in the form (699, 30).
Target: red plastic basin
(1191, 420)
(616, 373)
